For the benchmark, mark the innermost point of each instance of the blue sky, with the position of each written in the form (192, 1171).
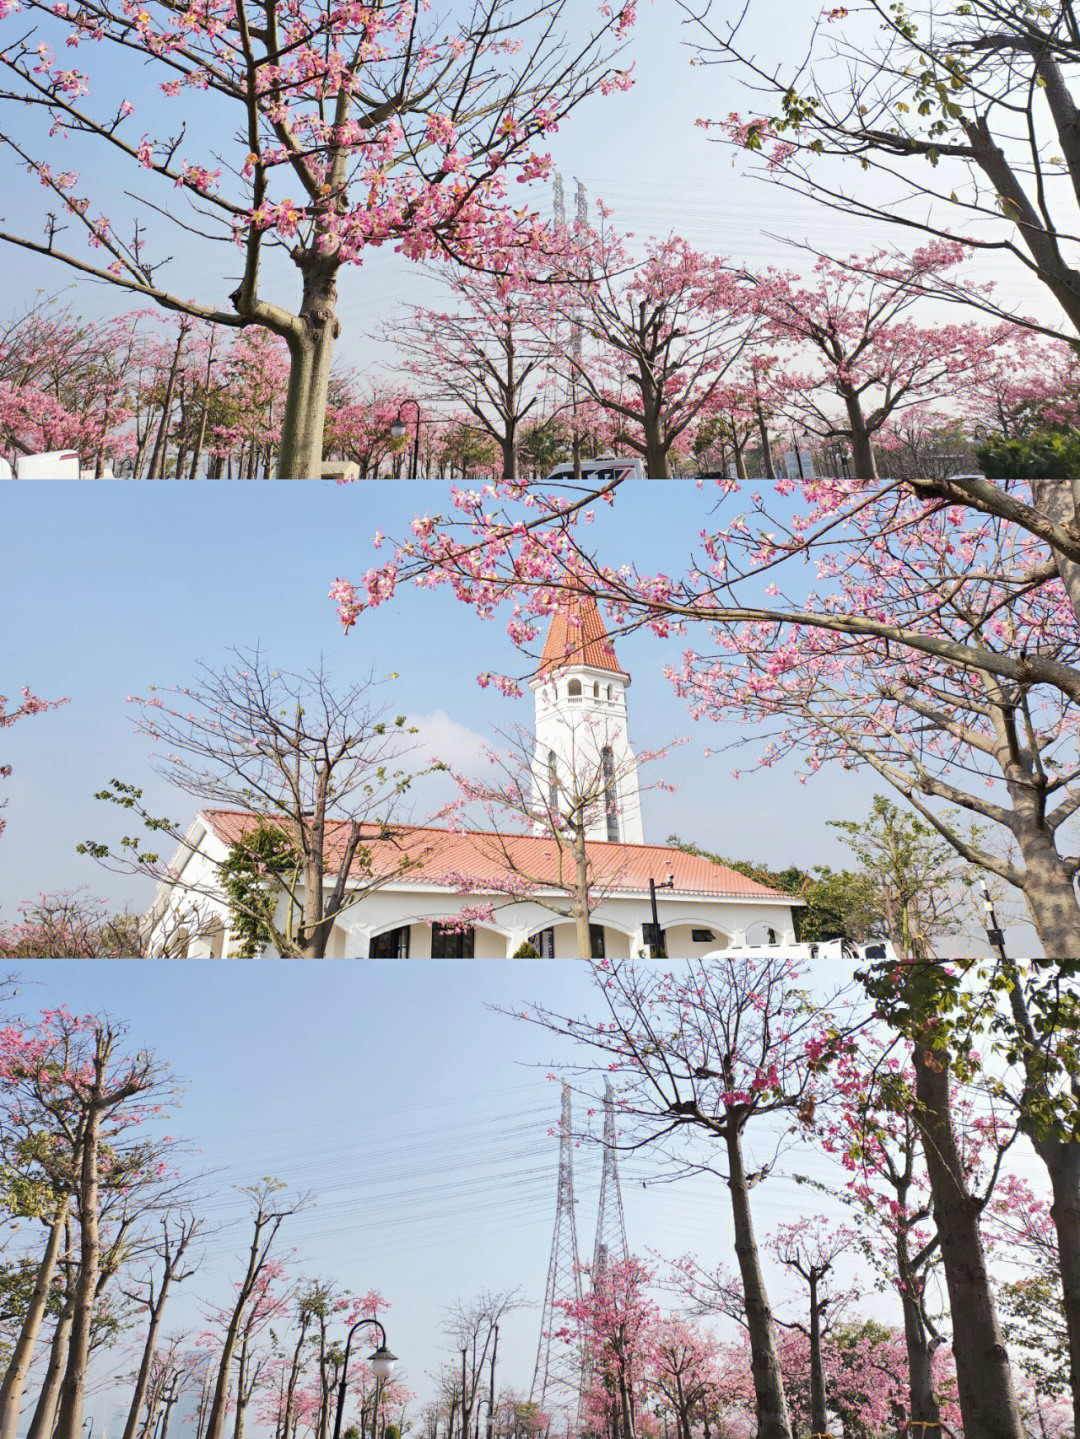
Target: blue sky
(111, 587)
(417, 1112)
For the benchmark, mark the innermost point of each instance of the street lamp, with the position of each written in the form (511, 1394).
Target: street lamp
(382, 1363)
(993, 933)
(654, 943)
(399, 428)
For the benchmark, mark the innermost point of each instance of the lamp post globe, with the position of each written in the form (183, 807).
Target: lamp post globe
(382, 1363)
(397, 429)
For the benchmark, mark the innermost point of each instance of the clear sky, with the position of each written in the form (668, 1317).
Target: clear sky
(111, 587)
(420, 1116)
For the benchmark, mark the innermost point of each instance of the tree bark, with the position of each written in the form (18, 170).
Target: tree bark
(819, 1417)
(984, 1383)
(43, 1423)
(580, 897)
(1060, 500)
(11, 1391)
(773, 1420)
(69, 1420)
(311, 348)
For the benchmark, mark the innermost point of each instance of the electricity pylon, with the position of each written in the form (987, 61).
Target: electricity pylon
(610, 1246)
(557, 1376)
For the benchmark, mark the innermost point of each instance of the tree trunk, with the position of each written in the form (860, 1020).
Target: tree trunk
(157, 459)
(1062, 1161)
(580, 897)
(819, 1416)
(509, 454)
(11, 1391)
(156, 1311)
(922, 1401)
(311, 349)
(984, 1383)
(1048, 886)
(766, 446)
(1060, 499)
(773, 1420)
(69, 1421)
(43, 1422)
(862, 450)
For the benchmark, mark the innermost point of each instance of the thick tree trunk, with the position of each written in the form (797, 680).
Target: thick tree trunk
(43, 1422)
(1048, 886)
(984, 1383)
(862, 449)
(773, 1420)
(311, 349)
(509, 455)
(1063, 1163)
(1060, 499)
(657, 466)
(69, 1421)
(11, 1391)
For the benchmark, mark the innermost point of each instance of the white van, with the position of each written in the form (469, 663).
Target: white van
(817, 949)
(607, 467)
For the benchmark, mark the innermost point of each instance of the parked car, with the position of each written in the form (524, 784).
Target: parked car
(607, 467)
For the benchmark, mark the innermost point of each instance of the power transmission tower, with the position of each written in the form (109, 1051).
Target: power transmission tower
(560, 201)
(557, 1377)
(610, 1246)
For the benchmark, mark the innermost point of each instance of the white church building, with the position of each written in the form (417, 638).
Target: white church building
(425, 875)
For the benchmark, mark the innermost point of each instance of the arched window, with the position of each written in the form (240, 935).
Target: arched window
(574, 689)
(609, 692)
(607, 759)
(596, 689)
(553, 782)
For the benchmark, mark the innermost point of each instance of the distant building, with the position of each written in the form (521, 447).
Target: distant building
(581, 717)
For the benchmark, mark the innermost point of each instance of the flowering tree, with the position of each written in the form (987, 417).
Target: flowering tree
(484, 355)
(359, 427)
(152, 1292)
(953, 109)
(70, 925)
(566, 800)
(349, 127)
(66, 384)
(67, 1079)
(255, 1301)
(616, 1321)
(30, 705)
(718, 1049)
(951, 621)
(667, 329)
(872, 359)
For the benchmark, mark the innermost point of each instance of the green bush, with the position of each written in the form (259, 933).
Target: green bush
(1039, 456)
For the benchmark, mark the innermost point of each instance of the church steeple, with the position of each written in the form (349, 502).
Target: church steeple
(582, 743)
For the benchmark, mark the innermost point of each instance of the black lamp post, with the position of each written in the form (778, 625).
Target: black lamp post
(993, 933)
(399, 428)
(382, 1363)
(654, 942)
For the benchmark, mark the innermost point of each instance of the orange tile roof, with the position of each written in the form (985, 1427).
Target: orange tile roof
(435, 855)
(577, 637)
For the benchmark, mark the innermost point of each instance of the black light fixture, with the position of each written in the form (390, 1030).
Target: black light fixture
(399, 428)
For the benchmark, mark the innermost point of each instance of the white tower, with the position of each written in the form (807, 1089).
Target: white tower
(582, 744)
